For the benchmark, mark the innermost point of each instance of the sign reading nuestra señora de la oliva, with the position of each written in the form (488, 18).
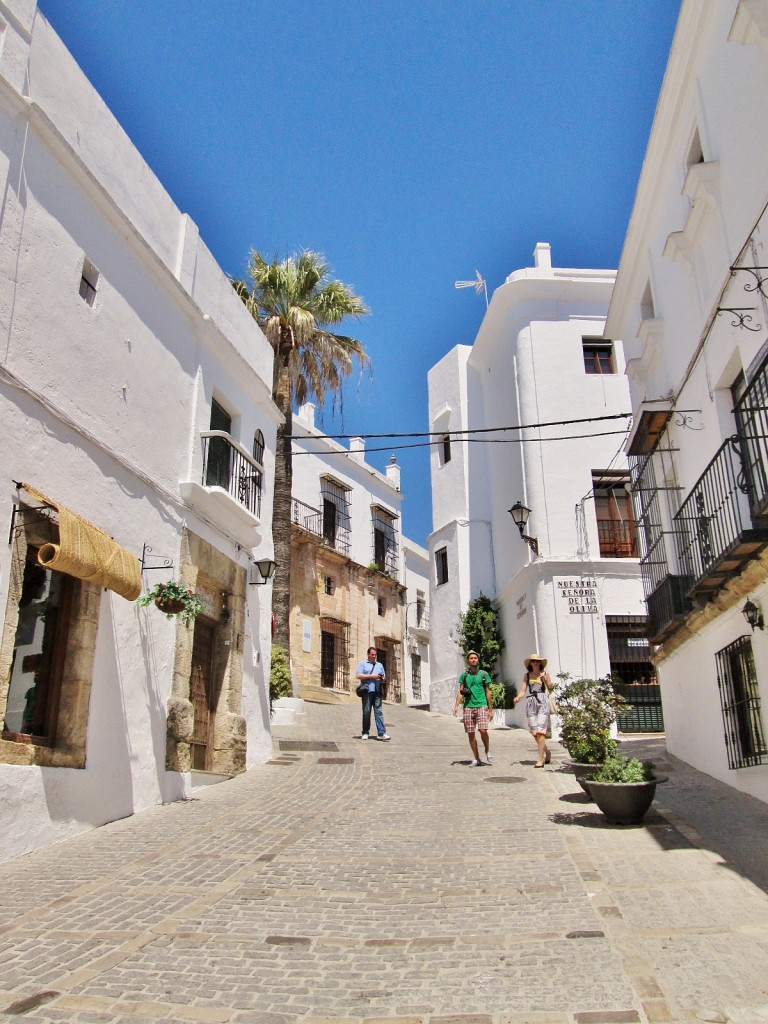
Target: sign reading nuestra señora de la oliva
(578, 592)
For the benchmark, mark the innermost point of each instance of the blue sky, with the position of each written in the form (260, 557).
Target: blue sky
(411, 141)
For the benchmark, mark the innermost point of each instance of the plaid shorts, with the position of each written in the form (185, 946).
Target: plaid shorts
(476, 718)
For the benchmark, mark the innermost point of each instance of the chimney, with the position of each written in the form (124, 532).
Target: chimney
(542, 257)
(306, 413)
(393, 473)
(357, 449)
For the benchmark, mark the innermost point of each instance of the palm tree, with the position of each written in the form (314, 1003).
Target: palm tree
(295, 303)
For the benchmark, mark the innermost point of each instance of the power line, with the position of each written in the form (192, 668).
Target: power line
(462, 440)
(457, 433)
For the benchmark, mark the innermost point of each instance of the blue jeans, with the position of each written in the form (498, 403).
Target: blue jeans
(373, 700)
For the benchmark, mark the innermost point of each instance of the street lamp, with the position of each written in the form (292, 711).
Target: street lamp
(520, 513)
(266, 570)
(753, 615)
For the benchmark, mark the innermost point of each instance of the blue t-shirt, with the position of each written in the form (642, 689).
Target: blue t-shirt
(367, 668)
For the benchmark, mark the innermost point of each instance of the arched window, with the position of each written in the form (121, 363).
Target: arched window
(258, 447)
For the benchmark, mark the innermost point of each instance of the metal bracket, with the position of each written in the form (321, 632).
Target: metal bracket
(742, 315)
(760, 279)
(164, 563)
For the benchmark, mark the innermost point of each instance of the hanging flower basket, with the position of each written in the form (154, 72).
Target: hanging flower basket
(173, 598)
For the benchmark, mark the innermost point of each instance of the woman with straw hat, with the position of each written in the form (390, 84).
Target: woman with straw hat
(536, 685)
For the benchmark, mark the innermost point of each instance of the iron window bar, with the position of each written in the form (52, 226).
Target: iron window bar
(229, 465)
(740, 704)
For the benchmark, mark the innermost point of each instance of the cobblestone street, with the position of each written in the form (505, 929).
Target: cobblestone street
(349, 882)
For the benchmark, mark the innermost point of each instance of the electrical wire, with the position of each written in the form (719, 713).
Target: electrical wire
(471, 430)
(461, 440)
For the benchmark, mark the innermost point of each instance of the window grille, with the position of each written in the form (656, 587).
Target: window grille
(416, 676)
(384, 540)
(740, 704)
(441, 565)
(388, 653)
(632, 674)
(336, 519)
(334, 653)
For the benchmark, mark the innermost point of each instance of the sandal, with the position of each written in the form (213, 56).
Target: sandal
(539, 764)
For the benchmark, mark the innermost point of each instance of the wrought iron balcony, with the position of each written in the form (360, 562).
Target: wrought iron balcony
(716, 534)
(327, 528)
(228, 465)
(751, 413)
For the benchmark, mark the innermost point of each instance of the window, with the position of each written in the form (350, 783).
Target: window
(89, 278)
(740, 704)
(615, 523)
(334, 653)
(384, 539)
(416, 676)
(258, 447)
(217, 470)
(445, 449)
(39, 647)
(598, 355)
(330, 585)
(45, 674)
(336, 520)
(441, 565)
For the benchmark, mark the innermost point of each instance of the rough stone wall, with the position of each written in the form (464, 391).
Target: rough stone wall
(211, 574)
(354, 601)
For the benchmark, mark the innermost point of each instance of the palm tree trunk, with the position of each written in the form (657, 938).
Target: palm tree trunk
(281, 513)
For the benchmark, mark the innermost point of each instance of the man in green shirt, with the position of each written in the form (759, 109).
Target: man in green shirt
(474, 693)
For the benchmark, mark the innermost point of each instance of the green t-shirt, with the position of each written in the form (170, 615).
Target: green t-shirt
(476, 684)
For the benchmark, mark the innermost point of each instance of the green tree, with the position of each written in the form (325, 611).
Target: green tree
(295, 303)
(479, 631)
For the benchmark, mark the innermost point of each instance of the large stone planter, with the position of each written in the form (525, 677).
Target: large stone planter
(624, 803)
(582, 771)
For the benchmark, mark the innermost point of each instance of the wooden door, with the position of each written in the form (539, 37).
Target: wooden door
(201, 692)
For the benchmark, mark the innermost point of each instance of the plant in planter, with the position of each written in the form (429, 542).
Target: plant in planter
(173, 598)
(280, 684)
(623, 788)
(587, 709)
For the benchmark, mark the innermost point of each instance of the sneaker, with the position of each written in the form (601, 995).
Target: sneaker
(489, 757)
(474, 764)
(385, 737)
(364, 736)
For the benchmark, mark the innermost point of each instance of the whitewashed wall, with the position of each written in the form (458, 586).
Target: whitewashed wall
(697, 212)
(101, 408)
(417, 577)
(526, 367)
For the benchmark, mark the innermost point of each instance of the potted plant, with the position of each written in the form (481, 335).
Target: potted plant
(173, 598)
(587, 709)
(503, 697)
(623, 788)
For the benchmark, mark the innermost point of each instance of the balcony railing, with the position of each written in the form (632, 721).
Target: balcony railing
(617, 539)
(751, 413)
(716, 535)
(311, 519)
(228, 465)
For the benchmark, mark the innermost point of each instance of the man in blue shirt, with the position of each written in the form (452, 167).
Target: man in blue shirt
(372, 673)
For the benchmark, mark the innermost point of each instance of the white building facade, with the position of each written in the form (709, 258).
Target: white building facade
(535, 414)
(416, 628)
(138, 446)
(691, 302)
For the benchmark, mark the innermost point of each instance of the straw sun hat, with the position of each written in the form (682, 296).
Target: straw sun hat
(535, 657)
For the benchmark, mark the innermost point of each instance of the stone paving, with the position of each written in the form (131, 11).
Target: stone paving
(348, 882)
